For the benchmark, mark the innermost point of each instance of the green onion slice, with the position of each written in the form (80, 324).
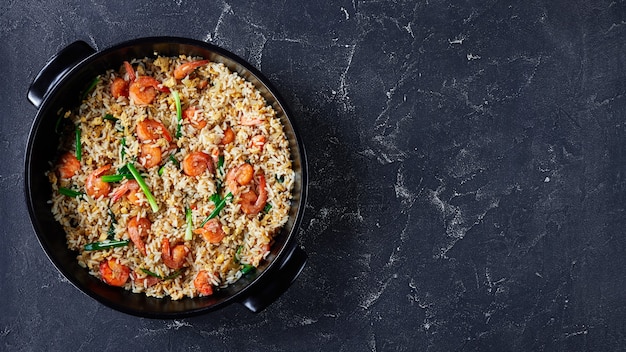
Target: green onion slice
(111, 232)
(105, 244)
(144, 187)
(215, 198)
(116, 177)
(179, 113)
(79, 148)
(247, 268)
(168, 277)
(218, 207)
(173, 275)
(238, 254)
(173, 159)
(150, 273)
(123, 148)
(110, 117)
(123, 170)
(220, 165)
(69, 192)
(188, 230)
(267, 207)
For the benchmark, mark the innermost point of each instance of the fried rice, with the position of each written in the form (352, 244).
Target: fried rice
(103, 131)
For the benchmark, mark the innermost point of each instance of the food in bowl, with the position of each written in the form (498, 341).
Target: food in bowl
(173, 176)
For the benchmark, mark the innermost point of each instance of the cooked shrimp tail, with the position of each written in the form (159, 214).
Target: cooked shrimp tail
(128, 189)
(94, 186)
(196, 163)
(239, 176)
(68, 165)
(182, 70)
(137, 230)
(114, 273)
(211, 231)
(251, 203)
(174, 258)
(202, 283)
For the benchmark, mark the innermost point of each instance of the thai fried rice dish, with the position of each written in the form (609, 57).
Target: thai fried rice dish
(172, 177)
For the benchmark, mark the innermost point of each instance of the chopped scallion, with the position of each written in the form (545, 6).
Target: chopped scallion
(188, 231)
(280, 178)
(112, 215)
(238, 254)
(69, 192)
(105, 244)
(168, 277)
(150, 273)
(247, 268)
(110, 117)
(173, 159)
(267, 207)
(111, 232)
(215, 198)
(218, 207)
(79, 148)
(123, 148)
(173, 275)
(144, 187)
(220, 165)
(179, 113)
(116, 178)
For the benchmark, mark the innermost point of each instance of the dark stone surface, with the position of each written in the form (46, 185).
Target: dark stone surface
(467, 175)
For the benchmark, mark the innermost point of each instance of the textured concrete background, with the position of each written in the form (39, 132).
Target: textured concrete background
(467, 183)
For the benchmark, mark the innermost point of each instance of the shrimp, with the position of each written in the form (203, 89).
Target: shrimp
(94, 186)
(119, 88)
(194, 116)
(203, 284)
(246, 119)
(211, 231)
(143, 90)
(138, 229)
(240, 175)
(128, 189)
(174, 258)
(183, 70)
(229, 136)
(114, 273)
(149, 129)
(258, 141)
(68, 165)
(251, 203)
(129, 71)
(147, 281)
(150, 155)
(196, 163)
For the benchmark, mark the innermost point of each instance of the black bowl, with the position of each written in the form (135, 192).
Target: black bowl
(59, 86)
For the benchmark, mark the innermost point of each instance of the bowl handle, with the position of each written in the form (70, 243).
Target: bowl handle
(277, 282)
(56, 68)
